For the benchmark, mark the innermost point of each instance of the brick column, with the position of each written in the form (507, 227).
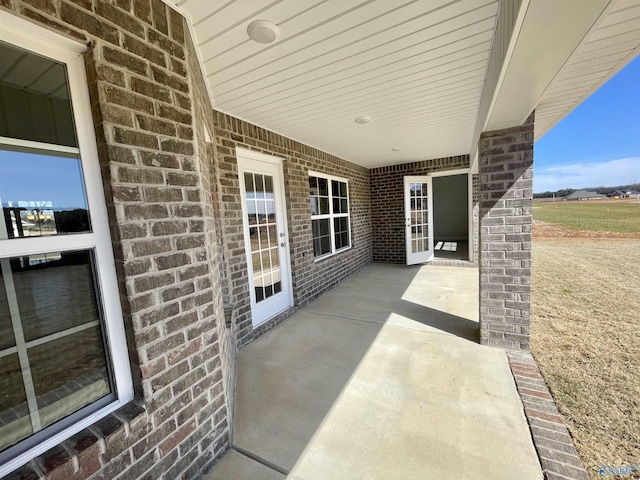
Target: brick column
(506, 174)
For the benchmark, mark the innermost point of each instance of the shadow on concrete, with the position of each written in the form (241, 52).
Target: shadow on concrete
(289, 380)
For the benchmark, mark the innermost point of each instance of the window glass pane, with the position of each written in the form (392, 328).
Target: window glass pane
(56, 319)
(345, 239)
(324, 206)
(325, 244)
(259, 186)
(77, 378)
(6, 330)
(259, 294)
(313, 185)
(248, 185)
(323, 186)
(344, 206)
(335, 188)
(42, 193)
(55, 292)
(321, 237)
(34, 98)
(15, 423)
(268, 186)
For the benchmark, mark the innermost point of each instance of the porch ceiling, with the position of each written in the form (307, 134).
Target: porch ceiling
(424, 71)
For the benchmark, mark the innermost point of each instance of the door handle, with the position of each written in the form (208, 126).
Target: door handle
(283, 244)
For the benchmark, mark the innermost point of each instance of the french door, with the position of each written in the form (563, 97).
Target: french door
(418, 207)
(265, 233)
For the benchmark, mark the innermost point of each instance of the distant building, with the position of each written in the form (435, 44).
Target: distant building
(624, 194)
(583, 195)
(618, 194)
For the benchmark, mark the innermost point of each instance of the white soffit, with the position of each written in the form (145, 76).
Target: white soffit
(550, 33)
(416, 67)
(612, 43)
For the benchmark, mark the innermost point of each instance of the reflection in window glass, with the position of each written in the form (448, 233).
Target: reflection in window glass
(42, 193)
(15, 423)
(419, 217)
(6, 329)
(54, 313)
(34, 96)
(265, 263)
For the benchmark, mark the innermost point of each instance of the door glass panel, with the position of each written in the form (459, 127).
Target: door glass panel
(419, 217)
(260, 200)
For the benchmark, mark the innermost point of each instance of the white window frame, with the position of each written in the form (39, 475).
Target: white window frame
(332, 215)
(30, 37)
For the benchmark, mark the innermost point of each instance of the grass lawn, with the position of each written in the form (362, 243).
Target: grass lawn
(598, 216)
(586, 328)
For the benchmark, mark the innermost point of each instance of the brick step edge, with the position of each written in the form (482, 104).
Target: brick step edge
(557, 452)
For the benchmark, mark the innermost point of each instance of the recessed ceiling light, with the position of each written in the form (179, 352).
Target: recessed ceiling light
(362, 120)
(396, 149)
(263, 31)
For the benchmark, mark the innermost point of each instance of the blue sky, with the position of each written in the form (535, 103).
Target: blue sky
(598, 144)
(42, 178)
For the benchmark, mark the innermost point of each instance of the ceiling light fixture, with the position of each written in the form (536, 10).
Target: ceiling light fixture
(396, 149)
(363, 120)
(263, 31)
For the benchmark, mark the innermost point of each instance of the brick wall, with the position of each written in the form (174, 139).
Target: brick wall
(475, 213)
(387, 211)
(506, 176)
(310, 279)
(147, 100)
(212, 217)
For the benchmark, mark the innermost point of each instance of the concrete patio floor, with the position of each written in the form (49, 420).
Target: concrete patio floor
(381, 378)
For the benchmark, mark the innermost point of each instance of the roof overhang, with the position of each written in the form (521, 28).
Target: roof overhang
(431, 75)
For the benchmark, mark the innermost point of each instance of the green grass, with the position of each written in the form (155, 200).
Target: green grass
(600, 216)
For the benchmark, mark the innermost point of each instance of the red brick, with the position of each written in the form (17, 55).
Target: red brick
(173, 440)
(544, 416)
(527, 391)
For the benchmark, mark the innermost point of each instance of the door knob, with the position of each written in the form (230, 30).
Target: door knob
(282, 244)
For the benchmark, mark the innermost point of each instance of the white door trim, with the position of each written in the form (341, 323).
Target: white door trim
(427, 255)
(463, 171)
(249, 160)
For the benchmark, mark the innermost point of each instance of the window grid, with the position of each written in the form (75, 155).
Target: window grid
(419, 216)
(263, 232)
(330, 216)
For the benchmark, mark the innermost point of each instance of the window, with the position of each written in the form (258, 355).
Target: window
(329, 197)
(62, 348)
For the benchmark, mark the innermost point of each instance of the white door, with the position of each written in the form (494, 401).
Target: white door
(265, 233)
(418, 212)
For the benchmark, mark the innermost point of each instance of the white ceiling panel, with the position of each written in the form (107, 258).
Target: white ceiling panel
(418, 68)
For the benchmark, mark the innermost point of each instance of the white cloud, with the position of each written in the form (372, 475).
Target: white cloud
(607, 174)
